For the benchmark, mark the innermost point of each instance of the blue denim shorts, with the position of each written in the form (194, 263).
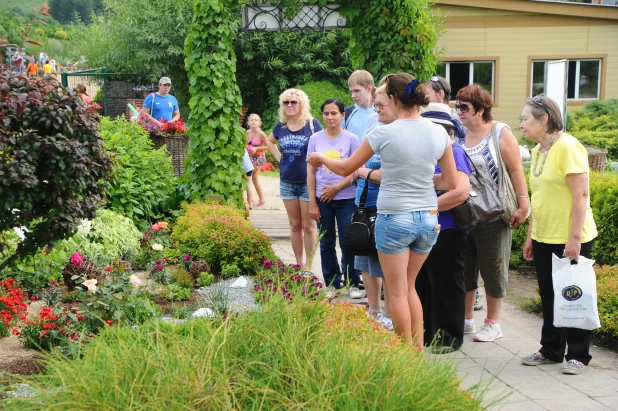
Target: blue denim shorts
(290, 191)
(416, 230)
(369, 263)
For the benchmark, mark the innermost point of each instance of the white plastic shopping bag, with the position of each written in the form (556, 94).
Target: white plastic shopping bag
(575, 294)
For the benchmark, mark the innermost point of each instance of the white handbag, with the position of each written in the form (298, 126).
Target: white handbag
(575, 294)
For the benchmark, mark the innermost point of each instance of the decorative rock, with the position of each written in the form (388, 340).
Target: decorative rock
(241, 282)
(203, 312)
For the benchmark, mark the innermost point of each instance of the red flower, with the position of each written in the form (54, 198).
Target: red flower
(108, 268)
(15, 331)
(109, 322)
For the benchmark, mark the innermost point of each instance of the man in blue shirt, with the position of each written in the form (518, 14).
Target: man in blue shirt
(161, 105)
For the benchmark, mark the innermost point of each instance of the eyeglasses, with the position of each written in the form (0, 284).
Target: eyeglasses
(464, 108)
(537, 100)
(379, 106)
(292, 102)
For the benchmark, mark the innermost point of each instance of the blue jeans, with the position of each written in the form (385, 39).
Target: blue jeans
(340, 210)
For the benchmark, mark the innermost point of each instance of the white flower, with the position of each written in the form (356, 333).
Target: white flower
(15, 211)
(91, 284)
(20, 232)
(157, 247)
(135, 281)
(84, 228)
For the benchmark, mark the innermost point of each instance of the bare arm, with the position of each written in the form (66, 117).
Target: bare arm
(448, 179)
(458, 195)
(578, 183)
(314, 210)
(347, 166)
(528, 255)
(271, 142)
(376, 176)
(146, 113)
(264, 145)
(176, 115)
(509, 149)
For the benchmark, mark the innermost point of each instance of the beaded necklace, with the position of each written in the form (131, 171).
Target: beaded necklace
(536, 160)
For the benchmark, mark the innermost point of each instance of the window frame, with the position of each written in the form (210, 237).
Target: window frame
(577, 76)
(571, 101)
(495, 60)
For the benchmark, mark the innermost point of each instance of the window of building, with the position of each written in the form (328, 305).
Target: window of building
(459, 74)
(584, 80)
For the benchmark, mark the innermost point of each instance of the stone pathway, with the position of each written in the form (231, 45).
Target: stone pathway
(495, 367)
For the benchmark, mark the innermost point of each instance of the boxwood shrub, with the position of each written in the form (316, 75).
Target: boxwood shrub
(220, 235)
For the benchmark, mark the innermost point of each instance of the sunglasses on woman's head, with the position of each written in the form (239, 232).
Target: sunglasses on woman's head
(464, 108)
(292, 102)
(537, 100)
(435, 79)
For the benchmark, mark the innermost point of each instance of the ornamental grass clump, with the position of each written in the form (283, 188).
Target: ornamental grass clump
(303, 355)
(220, 235)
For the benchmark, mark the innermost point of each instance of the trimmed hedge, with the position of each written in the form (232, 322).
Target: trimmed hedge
(596, 124)
(607, 291)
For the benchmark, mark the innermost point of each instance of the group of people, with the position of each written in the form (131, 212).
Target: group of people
(416, 154)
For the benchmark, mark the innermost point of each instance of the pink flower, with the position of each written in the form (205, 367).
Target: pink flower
(268, 264)
(77, 258)
(296, 266)
(159, 266)
(108, 268)
(52, 283)
(156, 227)
(187, 257)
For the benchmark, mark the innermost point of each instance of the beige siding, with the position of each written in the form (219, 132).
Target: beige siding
(515, 45)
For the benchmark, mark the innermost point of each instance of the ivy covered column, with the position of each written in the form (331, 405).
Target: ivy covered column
(216, 141)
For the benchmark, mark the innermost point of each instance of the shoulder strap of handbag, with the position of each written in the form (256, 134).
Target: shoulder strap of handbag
(494, 137)
(363, 197)
(469, 159)
(311, 126)
(152, 105)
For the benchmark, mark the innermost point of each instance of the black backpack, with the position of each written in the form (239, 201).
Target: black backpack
(349, 113)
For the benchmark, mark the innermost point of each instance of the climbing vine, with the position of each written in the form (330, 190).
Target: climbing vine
(387, 36)
(216, 139)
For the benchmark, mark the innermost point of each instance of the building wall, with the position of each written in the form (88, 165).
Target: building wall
(514, 38)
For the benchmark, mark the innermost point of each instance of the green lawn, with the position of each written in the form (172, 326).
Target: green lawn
(25, 5)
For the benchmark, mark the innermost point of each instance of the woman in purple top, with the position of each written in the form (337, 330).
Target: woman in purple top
(331, 197)
(440, 283)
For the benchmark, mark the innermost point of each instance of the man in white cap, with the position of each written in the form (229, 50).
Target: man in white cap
(161, 105)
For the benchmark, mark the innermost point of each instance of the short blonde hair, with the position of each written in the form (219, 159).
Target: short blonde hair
(381, 89)
(361, 77)
(303, 100)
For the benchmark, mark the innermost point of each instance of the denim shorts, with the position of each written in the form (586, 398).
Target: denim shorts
(369, 263)
(416, 230)
(290, 191)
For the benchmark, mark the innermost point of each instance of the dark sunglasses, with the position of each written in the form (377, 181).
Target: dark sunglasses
(464, 108)
(537, 100)
(292, 102)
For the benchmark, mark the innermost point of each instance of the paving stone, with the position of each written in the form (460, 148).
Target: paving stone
(611, 401)
(567, 403)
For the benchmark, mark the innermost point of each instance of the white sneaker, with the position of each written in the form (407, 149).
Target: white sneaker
(385, 321)
(469, 329)
(355, 293)
(488, 332)
(332, 292)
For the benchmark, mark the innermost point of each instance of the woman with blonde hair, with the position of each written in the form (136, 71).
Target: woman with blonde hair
(293, 130)
(256, 144)
(407, 223)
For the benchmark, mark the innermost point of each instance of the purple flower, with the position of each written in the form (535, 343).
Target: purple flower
(187, 257)
(283, 270)
(269, 281)
(296, 266)
(268, 264)
(280, 264)
(159, 266)
(52, 283)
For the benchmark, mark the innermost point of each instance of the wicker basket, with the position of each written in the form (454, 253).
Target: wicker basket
(177, 147)
(596, 158)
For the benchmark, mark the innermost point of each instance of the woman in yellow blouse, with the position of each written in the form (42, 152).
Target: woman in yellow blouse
(558, 181)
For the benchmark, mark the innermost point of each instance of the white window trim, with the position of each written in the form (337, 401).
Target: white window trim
(447, 65)
(577, 74)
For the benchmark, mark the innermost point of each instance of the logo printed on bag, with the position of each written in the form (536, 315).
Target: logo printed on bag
(572, 293)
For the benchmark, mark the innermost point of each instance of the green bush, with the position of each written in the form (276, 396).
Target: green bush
(220, 235)
(111, 235)
(60, 35)
(230, 271)
(607, 291)
(182, 278)
(320, 91)
(233, 366)
(205, 279)
(144, 177)
(596, 124)
(175, 292)
(604, 203)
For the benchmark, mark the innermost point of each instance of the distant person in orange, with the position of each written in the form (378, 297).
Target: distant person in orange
(32, 68)
(81, 92)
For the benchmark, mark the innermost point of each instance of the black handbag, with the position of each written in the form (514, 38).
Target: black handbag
(482, 205)
(359, 237)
